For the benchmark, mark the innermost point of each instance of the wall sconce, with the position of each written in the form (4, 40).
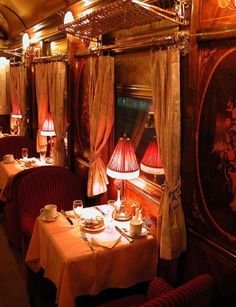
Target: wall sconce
(68, 17)
(122, 165)
(25, 41)
(227, 4)
(28, 52)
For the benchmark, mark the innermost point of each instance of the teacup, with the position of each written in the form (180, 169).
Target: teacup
(8, 158)
(136, 227)
(49, 211)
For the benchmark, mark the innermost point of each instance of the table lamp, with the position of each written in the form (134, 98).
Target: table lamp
(16, 118)
(122, 165)
(151, 161)
(48, 130)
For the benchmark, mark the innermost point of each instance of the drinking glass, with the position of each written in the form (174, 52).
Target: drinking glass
(42, 154)
(78, 208)
(24, 153)
(110, 209)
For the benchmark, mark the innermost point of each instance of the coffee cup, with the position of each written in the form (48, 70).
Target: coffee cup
(49, 211)
(8, 158)
(136, 227)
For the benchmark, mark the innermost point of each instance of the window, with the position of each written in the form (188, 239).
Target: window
(134, 118)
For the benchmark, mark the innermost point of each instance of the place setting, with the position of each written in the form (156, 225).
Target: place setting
(49, 213)
(9, 159)
(25, 161)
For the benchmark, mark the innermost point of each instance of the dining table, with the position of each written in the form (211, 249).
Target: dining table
(9, 170)
(82, 261)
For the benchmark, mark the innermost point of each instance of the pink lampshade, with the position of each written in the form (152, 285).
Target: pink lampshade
(123, 162)
(151, 161)
(48, 126)
(16, 113)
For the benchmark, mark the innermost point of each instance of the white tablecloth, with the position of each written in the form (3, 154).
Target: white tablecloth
(58, 248)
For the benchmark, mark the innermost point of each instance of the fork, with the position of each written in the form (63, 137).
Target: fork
(84, 237)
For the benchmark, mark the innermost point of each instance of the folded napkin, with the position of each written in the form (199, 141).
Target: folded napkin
(105, 239)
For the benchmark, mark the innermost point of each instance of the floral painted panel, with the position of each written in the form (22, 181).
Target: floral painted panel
(216, 145)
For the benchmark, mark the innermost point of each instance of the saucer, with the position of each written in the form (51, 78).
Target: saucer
(92, 229)
(136, 236)
(49, 220)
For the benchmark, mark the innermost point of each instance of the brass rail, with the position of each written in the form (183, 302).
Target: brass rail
(180, 39)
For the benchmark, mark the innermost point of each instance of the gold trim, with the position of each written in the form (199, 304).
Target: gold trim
(150, 191)
(180, 39)
(136, 91)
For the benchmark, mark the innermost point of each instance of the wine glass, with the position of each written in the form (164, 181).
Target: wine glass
(77, 209)
(42, 154)
(24, 153)
(110, 209)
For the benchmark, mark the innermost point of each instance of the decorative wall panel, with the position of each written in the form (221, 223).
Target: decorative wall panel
(215, 202)
(216, 13)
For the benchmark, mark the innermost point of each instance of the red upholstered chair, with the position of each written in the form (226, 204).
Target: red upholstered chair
(41, 185)
(195, 293)
(13, 145)
(11, 210)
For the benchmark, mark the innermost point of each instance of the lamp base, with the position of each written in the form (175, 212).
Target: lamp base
(49, 160)
(122, 214)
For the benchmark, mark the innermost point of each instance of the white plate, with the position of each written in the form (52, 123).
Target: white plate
(143, 233)
(92, 229)
(49, 220)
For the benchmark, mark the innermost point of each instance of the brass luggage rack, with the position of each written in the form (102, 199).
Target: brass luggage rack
(126, 14)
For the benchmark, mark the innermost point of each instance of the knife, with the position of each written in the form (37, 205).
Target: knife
(100, 210)
(67, 217)
(124, 234)
(84, 237)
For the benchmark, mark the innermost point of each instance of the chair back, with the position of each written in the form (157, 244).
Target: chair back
(11, 210)
(13, 145)
(196, 292)
(45, 185)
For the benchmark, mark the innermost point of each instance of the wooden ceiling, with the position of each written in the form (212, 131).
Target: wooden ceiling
(18, 15)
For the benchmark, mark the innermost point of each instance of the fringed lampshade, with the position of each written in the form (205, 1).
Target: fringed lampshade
(122, 165)
(16, 118)
(16, 115)
(48, 130)
(48, 126)
(151, 161)
(123, 162)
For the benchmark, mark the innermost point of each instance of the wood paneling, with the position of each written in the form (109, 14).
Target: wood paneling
(214, 15)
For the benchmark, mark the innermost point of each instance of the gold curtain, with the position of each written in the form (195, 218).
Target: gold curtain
(5, 106)
(41, 77)
(18, 86)
(101, 117)
(56, 86)
(171, 232)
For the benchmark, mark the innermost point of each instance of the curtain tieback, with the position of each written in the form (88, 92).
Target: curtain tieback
(93, 159)
(173, 192)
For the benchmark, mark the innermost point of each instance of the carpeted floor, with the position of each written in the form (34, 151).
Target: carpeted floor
(12, 286)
